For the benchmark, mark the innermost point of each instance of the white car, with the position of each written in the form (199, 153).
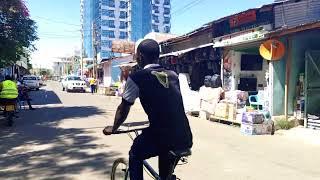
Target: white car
(31, 82)
(40, 80)
(73, 83)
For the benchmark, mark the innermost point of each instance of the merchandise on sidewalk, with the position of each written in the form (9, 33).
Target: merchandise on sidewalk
(257, 129)
(253, 117)
(191, 99)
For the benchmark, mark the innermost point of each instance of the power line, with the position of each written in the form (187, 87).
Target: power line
(56, 21)
(187, 7)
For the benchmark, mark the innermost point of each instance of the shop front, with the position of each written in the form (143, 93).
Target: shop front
(296, 76)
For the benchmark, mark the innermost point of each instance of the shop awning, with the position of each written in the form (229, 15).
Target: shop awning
(177, 53)
(245, 37)
(128, 64)
(124, 58)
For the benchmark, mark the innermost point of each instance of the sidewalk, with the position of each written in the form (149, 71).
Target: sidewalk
(301, 134)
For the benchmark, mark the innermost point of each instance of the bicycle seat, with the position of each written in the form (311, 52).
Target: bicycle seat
(181, 153)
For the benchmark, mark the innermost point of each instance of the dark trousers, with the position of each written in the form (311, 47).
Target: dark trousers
(145, 147)
(93, 88)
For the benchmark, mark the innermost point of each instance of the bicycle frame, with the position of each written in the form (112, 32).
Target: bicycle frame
(145, 163)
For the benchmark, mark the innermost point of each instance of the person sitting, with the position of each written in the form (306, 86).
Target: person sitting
(9, 91)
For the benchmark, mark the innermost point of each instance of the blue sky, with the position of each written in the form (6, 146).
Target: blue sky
(59, 22)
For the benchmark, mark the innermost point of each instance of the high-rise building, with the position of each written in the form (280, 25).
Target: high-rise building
(106, 20)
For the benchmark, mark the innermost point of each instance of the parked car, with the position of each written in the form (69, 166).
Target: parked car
(40, 80)
(31, 82)
(73, 83)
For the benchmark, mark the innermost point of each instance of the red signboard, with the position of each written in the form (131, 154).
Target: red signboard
(243, 18)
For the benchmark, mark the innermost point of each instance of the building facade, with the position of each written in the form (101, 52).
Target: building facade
(106, 20)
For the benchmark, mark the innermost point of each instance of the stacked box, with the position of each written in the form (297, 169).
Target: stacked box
(221, 110)
(257, 129)
(253, 117)
(254, 123)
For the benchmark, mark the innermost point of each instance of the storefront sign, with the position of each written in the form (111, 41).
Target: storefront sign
(120, 46)
(243, 18)
(244, 38)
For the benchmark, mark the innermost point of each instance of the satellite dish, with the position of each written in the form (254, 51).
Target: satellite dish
(272, 50)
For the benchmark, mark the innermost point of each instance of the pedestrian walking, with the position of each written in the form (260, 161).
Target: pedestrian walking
(93, 82)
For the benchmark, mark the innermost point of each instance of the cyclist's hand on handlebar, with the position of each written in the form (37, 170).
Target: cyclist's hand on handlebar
(108, 130)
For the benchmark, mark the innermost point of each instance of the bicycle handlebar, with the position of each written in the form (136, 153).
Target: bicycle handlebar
(128, 131)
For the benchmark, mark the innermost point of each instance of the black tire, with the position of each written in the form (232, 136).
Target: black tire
(120, 170)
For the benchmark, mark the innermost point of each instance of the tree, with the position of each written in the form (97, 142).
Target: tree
(17, 32)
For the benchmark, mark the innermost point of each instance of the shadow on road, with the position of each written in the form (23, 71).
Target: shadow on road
(43, 97)
(60, 152)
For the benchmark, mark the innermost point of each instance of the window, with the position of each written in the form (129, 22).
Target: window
(108, 33)
(110, 13)
(110, 3)
(155, 18)
(123, 25)
(155, 27)
(106, 43)
(123, 14)
(123, 4)
(123, 35)
(111, 24)
(166, 29)
(155, 9)
(156, 1)
(166, 10)
(166, 2)
(166, 20)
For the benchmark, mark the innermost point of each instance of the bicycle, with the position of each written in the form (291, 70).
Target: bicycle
(120, 169)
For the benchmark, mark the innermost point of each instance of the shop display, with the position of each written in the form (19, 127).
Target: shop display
(191, 99)
(253, 117)
(221, 110)
(210, 97)
(257, 129)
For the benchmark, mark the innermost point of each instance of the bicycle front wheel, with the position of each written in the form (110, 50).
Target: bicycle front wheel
(120, 170)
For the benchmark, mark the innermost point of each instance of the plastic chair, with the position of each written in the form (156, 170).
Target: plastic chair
(255, 100)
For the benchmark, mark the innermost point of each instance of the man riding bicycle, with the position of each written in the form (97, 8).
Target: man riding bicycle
(160, 96)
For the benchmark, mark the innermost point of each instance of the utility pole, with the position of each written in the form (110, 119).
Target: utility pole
(94, 46)
(82, 52)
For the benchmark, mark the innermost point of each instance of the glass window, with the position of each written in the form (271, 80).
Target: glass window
(110, 3)
(166, 20)
(123, 4)
(74, 78)
(166, 2)
(123, 14)
(108, 33)
(106, 43)
(166, 29)
(166, 10)
(156, 1)
(155, 27)
(123, 25)
(110, 13)
(155, 18)
(123, 35)
(111, 23)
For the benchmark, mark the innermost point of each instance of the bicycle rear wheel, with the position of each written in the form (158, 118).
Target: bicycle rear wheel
(120, 170)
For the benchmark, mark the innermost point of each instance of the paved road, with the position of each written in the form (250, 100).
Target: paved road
(62, 139)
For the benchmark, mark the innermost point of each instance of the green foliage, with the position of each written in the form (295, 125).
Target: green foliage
(17, 32)
(284, 124)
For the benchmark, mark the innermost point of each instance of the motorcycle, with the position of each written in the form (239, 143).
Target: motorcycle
(9, 111)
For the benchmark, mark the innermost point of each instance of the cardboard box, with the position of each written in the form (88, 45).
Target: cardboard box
(265, 128)
(253, 117)
(221, 110)
(232, 112)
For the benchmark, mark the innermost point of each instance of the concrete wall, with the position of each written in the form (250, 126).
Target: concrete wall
(300, 44)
